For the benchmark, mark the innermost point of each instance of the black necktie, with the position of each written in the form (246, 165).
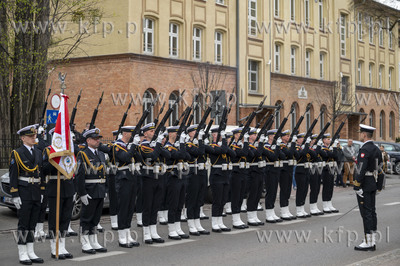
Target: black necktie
(95, 153)
(32, 151)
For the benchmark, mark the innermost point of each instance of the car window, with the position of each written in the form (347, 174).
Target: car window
(388, 147)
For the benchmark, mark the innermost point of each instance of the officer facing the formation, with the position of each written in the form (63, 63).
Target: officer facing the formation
(367, 181)
(92, 189)
(67, 191)
(27, 190)
(126, 183)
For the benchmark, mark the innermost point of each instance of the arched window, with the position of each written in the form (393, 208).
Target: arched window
(309, 117)
(371, 118)
(382, 124)
(148, 98)
(197, 110)
(293, 116)
(362, 117)
(278, 115)
(323, 117)
(174, 115)
(391, 125)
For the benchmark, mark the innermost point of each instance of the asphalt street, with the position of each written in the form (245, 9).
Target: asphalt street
(322, 240)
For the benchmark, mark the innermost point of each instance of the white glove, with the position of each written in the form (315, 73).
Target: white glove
(360, 193)
(335, 143)
(273, 147)
(85, 199)
(72, 135)
(201, 134)
(240, 143)
(219, 143)
(320, 142)
(182, 138)
(308, 140)
(41, 198)
(177, 144)
(331, 148)
(136, 139)
(105, 195)
(195, 141)
(256, 144)
(279, 141)
(40, 130)
(17, 202)
(187, 138)
(262, 138)
(294, 138)
(153, 143)
(246, 137)
(314, 147)
(160, 137)
(223, 134)
(206, 142)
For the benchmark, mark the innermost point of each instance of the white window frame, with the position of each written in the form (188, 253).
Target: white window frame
(307, 15)
(381, 124)
(391, 120)
(173, 36)
(343, 35)
(254, 71)
(390, 39)
(359, 72)
(175, 114)
(276, 8)
(147, 101)
(292, 10)
(371, 30)
(380, 77)
(390, 76)
(370, 70)
(360, 26)
(277, 58)
(252, 18)
(293, 60)
(148, 36)
(197, 43)
(218, 46)
(321, 14)
(308, 63)
(221, 2)
(381, 36)
(321, 65)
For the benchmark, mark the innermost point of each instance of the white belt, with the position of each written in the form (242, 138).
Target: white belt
(271, 163)
(224, 166)
(301, 164)
(29, 179)
(95, 181)
(54, 177)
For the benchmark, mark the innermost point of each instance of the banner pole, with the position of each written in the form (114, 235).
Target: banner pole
(57, 213)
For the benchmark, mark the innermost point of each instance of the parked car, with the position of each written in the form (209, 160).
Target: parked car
(393, 150)
(6, 199)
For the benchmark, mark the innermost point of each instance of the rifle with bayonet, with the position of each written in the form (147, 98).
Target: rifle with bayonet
(336, 136)
(72, 120)
(296, 128)
(191, 117)
(142, 119)
(310, 130)
(224, 117)
(321, 134)
(207, 130)
(279, 131)
(123, 119)
(269, 122)
(43, 117)
(158, 115)
(205, 116)
(95, 112)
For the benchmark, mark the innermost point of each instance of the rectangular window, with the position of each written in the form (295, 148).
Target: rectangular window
(342, 35)
(218, 47)
(276, 8)
(253, 76)
(360, 27)
(196, 44)
(307, 12)
(277, 56)
(359, 72)
(148, 32)
(252, 17)
(321, 14)
(390, 78)
(173, 40)
(390, 40)
(308, 62)
(380, 34)
(370, 69)
(321, 65)
(219, 2)
(380, 77)
(345, 83)
(371, 30)
(292, 10)
(308, 120)
(293, 60)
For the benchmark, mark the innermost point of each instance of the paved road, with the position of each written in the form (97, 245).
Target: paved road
(323, 240)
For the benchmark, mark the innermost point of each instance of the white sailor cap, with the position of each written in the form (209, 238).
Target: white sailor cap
(229, 134)
(271, 132)
(128, 128)
(327, 135)
(114, 132)
(368, 129)
(172, 129)
(92, 133)
(237, 130)
(252, 131)
(301, 135)
(314, 136)
(285, 133)
(192, 128)
(148, 127)
(27, 131)
(214, 129)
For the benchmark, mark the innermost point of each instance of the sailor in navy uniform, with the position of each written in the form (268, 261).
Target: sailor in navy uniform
(197, 185)
(255, 179)
(302, 174)
(367, 182)
(239, 175)
(139, 195)
(152, 182)
(272, 155)
(91, 179)
(67, 191)
(286, 178)
(329, 156)
(125, 156)
(27, 190)
(175, 182)
(315, 161)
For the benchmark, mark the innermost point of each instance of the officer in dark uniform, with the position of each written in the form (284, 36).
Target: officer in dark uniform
(239, 175)
(27, 190)
(197, 184)
(125, 159)
(286, 178)
(315, 162)
(152, 182)
(175, 183)
(139, 195)
(67, 191)
(273, 156)
(91, 178)
(329, 156)
(255, 178)
(367, 181)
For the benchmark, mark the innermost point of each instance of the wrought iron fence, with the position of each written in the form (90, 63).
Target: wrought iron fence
(7, 144)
